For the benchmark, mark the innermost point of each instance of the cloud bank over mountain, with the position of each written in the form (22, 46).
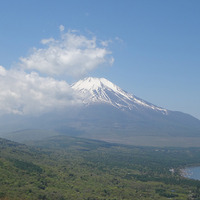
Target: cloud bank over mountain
(29, 93)
(34, 87)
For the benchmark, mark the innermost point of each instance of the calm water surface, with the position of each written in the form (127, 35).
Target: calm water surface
(192, 172)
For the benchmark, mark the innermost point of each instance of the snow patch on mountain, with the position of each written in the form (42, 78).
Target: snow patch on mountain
(100, 90)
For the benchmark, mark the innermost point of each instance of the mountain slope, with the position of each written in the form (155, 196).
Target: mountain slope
(109, 110)
(100, 90)
(107, 113)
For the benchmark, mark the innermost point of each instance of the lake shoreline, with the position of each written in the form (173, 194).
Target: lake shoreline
(192, 172)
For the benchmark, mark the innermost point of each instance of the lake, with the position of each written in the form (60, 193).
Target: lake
(192, 173)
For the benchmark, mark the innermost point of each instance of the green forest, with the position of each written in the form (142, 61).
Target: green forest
(63, 167)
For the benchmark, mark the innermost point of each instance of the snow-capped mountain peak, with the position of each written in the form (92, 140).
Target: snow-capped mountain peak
(91, 83)
(100, 90)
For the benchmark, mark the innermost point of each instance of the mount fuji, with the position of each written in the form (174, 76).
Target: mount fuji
(112, 114)
(108, 113)
(102, 91)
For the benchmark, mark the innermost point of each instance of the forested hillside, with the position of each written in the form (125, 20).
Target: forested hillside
(72, 168)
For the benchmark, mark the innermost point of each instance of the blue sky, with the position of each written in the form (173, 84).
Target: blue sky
(155, 44)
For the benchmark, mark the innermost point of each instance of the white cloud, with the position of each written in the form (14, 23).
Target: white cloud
(119, 40)
(112, 61)
(106, 43)
(2, 71)
(25, 91)
(46, 41)
(62, 28)
(72, 55)
(22, 93)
